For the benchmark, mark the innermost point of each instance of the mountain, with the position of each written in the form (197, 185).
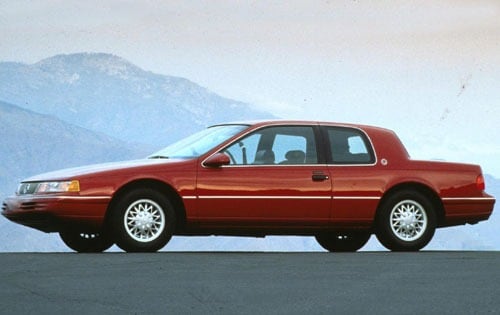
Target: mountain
(108, 94)
(33, 143)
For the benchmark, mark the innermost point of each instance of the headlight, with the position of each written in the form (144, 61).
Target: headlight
(56, 187)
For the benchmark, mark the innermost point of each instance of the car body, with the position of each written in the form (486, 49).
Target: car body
(337, 182)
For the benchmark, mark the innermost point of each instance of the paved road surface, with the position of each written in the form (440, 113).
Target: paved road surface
(251, 283)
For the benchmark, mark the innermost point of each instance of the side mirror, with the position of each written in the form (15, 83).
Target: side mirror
(217, 160)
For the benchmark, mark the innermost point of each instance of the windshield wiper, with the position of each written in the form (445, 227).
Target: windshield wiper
(158, 157)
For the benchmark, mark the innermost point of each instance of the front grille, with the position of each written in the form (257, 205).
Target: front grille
(4, 206)
(33, 205)
(28, 206)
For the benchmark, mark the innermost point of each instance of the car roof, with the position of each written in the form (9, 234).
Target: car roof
(263, 122)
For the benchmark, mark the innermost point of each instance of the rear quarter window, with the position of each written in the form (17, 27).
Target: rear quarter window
(349, 146)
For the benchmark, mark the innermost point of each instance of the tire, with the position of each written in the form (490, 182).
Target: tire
(143, 221)
(406, 221)
(84, 242)
(343, 242)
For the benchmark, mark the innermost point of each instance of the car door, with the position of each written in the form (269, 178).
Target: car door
(355, 180)
(275, 177)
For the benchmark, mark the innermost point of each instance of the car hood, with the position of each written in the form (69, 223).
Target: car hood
(71, 173)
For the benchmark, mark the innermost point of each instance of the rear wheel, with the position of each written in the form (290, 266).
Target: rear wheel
(343, 241)
(406, 221)
(86, 242)
(143, 221)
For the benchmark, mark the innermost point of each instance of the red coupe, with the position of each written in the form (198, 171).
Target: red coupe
(337, 182)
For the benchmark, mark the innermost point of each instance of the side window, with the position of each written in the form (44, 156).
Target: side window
(243, 151)
(290, 149)
(275, 145)
(349, 146)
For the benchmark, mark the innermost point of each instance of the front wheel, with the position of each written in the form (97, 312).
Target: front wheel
(86, 242)
(406, 221)
(143, 221)
(343, 241)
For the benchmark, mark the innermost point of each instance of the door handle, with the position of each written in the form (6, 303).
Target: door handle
(320, 177)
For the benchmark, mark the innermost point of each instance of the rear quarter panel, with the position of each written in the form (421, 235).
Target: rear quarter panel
(358, 190)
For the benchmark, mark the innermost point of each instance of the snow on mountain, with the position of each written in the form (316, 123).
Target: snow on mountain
(108, 94)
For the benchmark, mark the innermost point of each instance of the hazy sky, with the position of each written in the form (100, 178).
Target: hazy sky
(430, 71)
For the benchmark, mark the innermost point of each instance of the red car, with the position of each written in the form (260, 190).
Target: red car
(337, 182)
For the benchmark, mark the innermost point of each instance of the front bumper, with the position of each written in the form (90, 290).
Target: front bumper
(53, 213)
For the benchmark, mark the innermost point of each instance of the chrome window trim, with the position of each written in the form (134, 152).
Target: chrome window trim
(319, 124)
(274, 165)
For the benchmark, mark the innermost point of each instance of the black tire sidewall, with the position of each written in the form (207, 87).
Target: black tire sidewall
(97, 244)
(384, 231)
(123, 239)
(355, 241)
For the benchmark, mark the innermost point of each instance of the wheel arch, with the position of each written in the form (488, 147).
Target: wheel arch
(157, 185)
(421, 188)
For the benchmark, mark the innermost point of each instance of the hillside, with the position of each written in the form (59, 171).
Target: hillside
(33, 143)
(108, 94)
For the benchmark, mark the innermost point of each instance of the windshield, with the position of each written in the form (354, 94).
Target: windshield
(199, 143)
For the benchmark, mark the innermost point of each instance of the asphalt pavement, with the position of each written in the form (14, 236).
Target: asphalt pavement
(250, 283)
